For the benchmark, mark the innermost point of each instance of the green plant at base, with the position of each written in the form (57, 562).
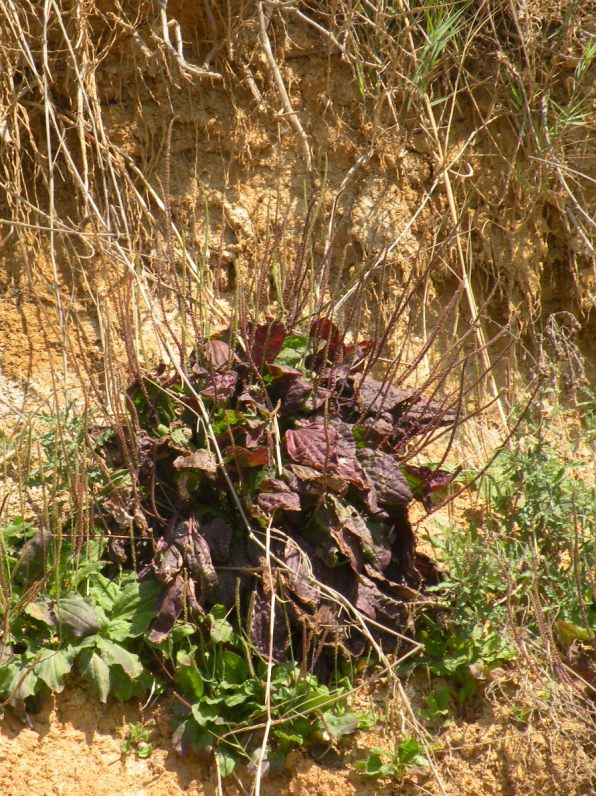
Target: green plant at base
(137, 741)
(383, 764)
(99, 631)
(226, 705)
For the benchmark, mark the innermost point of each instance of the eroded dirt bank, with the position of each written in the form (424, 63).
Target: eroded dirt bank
(73, 749)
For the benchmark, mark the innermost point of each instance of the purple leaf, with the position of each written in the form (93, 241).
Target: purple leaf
(312, 482)
(331, 350)
(403, 552)
(318, 397)
(324, 329)
(268, 342)
(429, 479)
(376, 430)
(259, 619)
(217, 353)
(197, 557)
(312, 445)
(245, 457)
(218, 535)
(348, 546)
(275, 495)
(428, 569)
(348, 517)
(424, 481)
(352, 472)
(354, 355)
(373, 396)
(291, 391)
(254, 433)
(298, 579)
(198, 460)
(378, 605)
(392, 488)
(277, 371)
(169, 608)
(222, 387)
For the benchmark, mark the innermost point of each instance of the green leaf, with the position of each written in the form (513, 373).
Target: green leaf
(122, 687)
(143, 750)
(88, 561)
(41, 611)
(221, 629)
(367, 721)
(133, 610)
(77, 614)
(225, 760)
(118, 629)
(568, 632)
(374, 766)
(190, 679)
(96, 670)
(114, 654)
(18, 530)
(181, 437)
(225, 418)
(135, 597)
(409, 752)
(233, 700)
(52, 667)
(289, 740)
(103, 591)
(8, 675)
(235, 669)
(204, 714)
(339, 726)
(295, 348)
(24, 685)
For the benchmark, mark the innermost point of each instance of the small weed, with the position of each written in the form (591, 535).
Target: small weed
(137, 741)
(383, 764)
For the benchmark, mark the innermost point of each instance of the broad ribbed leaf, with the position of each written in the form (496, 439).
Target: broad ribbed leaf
(291, 391)
(41, 611)
(268, 342)
(217, 353)
(247, 457)
(74, 612)
(134, 609)
(392, 488)
(222, 386)
(424, 481)
(115, 654)
(259, 627)
(312, 445)
(218, 535)
(277, 495)
(299, 577)
(97, 671)
(52, 666)
(169, 609)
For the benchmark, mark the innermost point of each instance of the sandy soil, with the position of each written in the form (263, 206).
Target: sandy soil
(73, 749)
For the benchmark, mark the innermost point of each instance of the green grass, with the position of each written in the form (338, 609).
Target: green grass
(521, 575)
